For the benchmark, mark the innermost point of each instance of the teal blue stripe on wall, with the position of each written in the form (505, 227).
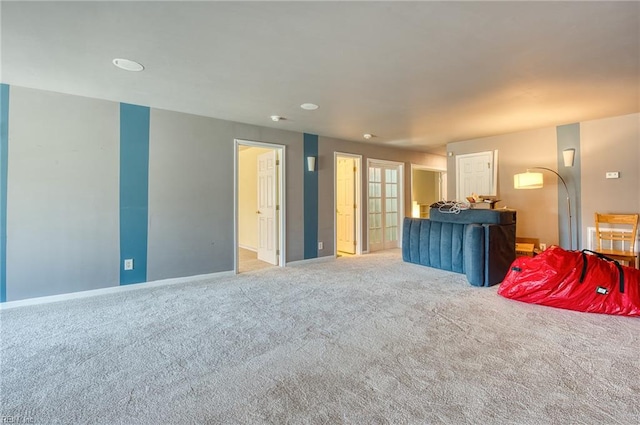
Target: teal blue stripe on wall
(568, 137)
(310, 198)
(4, 165)
(134, 191)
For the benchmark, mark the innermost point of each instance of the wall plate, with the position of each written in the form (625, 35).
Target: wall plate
(128, 264)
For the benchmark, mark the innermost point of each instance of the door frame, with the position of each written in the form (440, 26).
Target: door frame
(280, 199)
(357, 196)
(401, 195)
(443, 179)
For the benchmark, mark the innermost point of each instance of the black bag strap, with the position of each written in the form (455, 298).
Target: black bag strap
(603, 257)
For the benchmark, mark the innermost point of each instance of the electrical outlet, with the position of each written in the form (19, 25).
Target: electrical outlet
(320, 245)
(612, 175)
(543, 246)
(128, 264)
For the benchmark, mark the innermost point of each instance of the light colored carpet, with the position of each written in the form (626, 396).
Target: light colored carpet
(360, 340)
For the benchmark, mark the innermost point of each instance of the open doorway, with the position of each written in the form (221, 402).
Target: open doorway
(259, 210)
(428, 186)
(348, 216)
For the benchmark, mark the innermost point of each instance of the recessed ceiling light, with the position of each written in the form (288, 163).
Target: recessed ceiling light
(367, 136)
(128, 65)
(309, 106)
(276, 118)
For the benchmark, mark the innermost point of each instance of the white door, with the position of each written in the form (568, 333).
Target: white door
(475, 175)
(267, 230)
(346, 205)
(384, 202)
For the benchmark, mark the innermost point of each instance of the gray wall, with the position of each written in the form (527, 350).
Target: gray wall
(191, 192)
(326, 212)
(63, 193)
(609, 144)
(537, 209)
(63, 188)
(190, 195)
(62, 208)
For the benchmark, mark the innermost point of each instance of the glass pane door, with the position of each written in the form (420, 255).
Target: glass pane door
(391, 208)
(375, 207)
(384, 217)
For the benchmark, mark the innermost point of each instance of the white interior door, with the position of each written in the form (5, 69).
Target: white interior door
(346, 205)
(385, 188)
(267, 230)
(475, 175)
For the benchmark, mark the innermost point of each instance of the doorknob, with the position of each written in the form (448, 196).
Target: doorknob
(258, 212)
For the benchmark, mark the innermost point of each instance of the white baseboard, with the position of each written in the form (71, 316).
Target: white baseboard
(248, 248)
(114, 289)
(110, 290)
(311, 260)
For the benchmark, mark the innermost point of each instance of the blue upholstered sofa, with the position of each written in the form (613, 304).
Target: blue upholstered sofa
(479, 243)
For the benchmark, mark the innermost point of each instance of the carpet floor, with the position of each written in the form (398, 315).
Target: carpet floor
(359, 340)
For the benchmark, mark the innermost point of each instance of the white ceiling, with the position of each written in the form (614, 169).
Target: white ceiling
(414, 74)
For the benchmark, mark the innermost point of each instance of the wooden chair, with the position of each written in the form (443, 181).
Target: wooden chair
(613, 242)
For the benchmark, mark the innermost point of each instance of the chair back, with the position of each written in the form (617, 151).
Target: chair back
(612, 232)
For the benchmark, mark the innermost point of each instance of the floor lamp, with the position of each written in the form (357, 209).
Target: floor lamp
(531, 180)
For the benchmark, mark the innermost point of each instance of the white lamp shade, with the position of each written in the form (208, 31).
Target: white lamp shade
(569, 156)
(311, 163)
(528, 180)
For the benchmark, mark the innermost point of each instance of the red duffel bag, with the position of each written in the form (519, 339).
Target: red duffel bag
(575, 280)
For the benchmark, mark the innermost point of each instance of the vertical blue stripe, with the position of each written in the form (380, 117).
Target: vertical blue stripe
(568, 137)
(4, 164)
(310, 198)
(134, 191)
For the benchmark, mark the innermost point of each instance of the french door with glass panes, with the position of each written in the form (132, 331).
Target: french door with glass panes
(384, 206)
